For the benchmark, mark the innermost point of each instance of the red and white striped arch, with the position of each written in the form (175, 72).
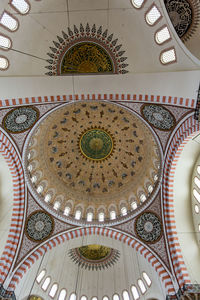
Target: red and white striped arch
(14, 163)
(157, 99)
(185, 132)
(108, 232)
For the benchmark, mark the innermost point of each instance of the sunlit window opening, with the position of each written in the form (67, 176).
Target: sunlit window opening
(67, 211)
(196, 208)
(198, 170)
(8, 21)
(39, 189)
(5, 42)
(196, 195)
(62, 295)
(150, 188)
(29, 155)
(105, 298)
(155, 177)
(33, 179)
(197, 181)
(89, 217)
(115, 297)
(146, 278)
(21, 6)
(3, 63)
(40, 276)
(125, 295)
(94, 298)
(53, 290)
(134, 205)
(168, 56)
(83, 298)
(72, 296)
(78, 215)
(135, 292)
(46, 283)
(137, 3)
(162, 35)
(30, 168)
(56, 205)
(124, 211)
(112, 215)
(47, 198)
(141, 286)
(143, 198)
(153, 15)
(101, 217)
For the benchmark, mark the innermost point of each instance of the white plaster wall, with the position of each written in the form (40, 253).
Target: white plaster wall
(183, 209)
(66, 273)
(175, 84)
(6, 202)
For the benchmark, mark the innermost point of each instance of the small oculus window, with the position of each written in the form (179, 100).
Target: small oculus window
(196, 195)
(89, 217)
(78, 215)
(141, 286)
(72, 296)
(21, 6)
(146, 278)
(8, 21)
(168, 56)
(124, 211)
(153, 15)
(53, 290)
(125, 295)
(101, 217)
(196, 208)
(116, 297)
(135, 292)
(112, 215)
(46, 283)
(197, 181)
(162, 35)
(40, 276)
(56, 205)
(62, 295)
(134, 205)
(137, 3)
(67, 211)
(5, 42)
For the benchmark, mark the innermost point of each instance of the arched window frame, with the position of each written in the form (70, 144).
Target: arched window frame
(17, 10)
(11, 15)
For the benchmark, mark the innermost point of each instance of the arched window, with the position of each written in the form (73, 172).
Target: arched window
(83, 298)
(196, 208)
(124, 211)
(125, 295)
(89, 217)
(5, 42)
(135, 292)
(196, 195)
(30, 168)
(150, 188)
(62, 295)
(143, 197)
(56, 205)
(47, 197)
(198, 170)
(39, 189)
(8, 21)
(146, 278)
(53, 290)
(141, 286)
(40, 276)
(21, 6)
(137, 3)
(105, 298)
(197, 181)
(112, 215)
(155, 177)
(115, 297)
(153, 15)
(78, 215)
(134, 205)
(34, 179)
(168, 56)
(94, 298)
(72, 296)
(101, 217)
(162, 35)
(67, 211)
(46, 283)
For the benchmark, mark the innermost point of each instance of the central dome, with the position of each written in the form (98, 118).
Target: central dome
(93, 157)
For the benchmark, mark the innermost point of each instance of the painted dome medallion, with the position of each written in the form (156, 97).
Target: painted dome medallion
(92, 162)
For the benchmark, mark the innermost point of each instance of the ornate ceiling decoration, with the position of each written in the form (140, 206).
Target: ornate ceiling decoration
(184, 15)
(86, 50)
(94, 257)
(92, 156)
(20, 119)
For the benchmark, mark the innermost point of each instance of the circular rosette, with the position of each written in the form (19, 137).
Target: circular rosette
(39, 226)
(20, 119)
(158, 116)
(148, 227)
